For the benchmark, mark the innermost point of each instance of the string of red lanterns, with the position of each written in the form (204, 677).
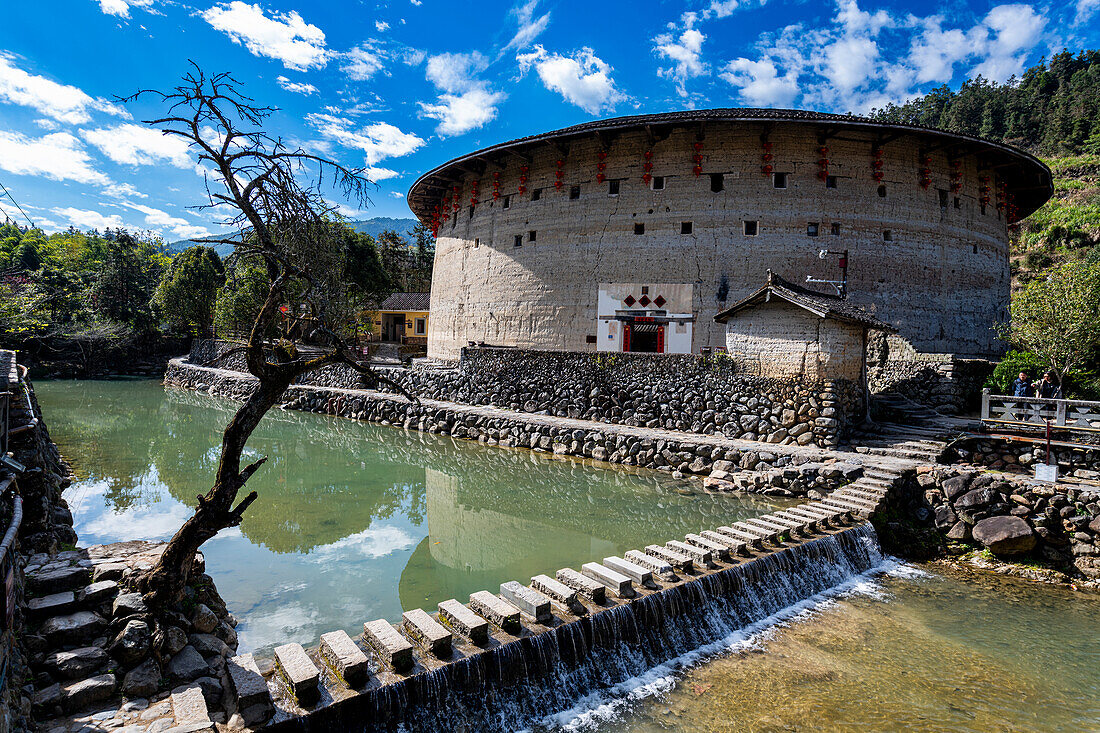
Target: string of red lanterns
(876, 165)
(956, 175)
(496, 185)
(925, 171)
(767, 168)
(647, 166)
(523, 177)
(697, 159)
(601, 166)
(559, 174)
(823, 163)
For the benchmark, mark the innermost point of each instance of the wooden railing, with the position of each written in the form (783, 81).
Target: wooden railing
(1035, 412)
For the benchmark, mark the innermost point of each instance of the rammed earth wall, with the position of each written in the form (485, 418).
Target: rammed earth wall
(685, 392)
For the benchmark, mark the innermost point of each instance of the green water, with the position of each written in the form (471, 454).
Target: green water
(935, 651)
(354, 522)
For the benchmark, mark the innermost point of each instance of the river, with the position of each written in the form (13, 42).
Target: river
(357, 522)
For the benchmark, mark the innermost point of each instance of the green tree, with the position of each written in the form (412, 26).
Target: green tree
(185, 296)
(1055, 316)
(126, 278)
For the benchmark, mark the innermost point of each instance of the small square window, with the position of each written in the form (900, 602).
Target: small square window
(717, 182)
(811, 229)
(420, 326)
(685, 227)
(830, 181)
(477, 241)
(658, 183)
(517, 241)
(613, 188)
(536, 194)
(531, 235)
(834, 229)
(958, 204)
(639, 228)
(882, 192)
(507, 202)
(887, 236)
(779, 180)
(750, 228)
(645, 290)
(574, 193)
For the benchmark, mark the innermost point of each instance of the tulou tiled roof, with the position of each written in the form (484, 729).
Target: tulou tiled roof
(407, 302)
(823, 305)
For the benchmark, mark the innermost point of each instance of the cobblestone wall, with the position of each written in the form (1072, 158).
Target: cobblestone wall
(706, 395)
(941, 381)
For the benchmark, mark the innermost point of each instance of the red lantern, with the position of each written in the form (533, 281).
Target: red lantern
(766, 170)
(600, 178)
(697, 170)
(646, 177)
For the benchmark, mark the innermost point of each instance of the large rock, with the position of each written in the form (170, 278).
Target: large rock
(55, 580)
(976, 498)
(204, 619)
(77, 663)
(128, 604)
(956, 486)
(187, 665)
(209, 645)
(132, 643)
(1005, 535)
(81, 694)
(74, 628)
(142, 681)
(46, 701)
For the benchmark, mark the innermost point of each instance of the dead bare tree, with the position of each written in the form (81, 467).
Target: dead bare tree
(272, 196)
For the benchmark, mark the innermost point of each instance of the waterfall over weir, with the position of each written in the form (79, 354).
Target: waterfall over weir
(516, 685)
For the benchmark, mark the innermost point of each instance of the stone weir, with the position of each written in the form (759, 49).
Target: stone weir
(502, 662)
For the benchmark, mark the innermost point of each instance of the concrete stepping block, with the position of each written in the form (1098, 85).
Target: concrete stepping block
(460, 619)
(527, 600)
(344, 657)
(426, 632)
(554, 589)
(52, 605)
(298, 671)
(248, 684)
(821, 517)
(496, 609)
(736, 547)
(586, 586)
(749, 538)
(638, 573)
(768, 524)
(717, 549)
(650, 563)
(806, 526)
(769, 535)
(613, 580)
(678, 560)
(701, 556)
(189, 706)
(390, 646)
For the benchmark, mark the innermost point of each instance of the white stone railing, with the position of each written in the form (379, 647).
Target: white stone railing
(1036, 411)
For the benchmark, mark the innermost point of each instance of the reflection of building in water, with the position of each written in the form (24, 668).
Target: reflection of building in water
(471, 545)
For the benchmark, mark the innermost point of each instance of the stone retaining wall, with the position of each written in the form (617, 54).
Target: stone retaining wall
(684, 392)
(943, 382)
(1016, 516)
(1014, 457)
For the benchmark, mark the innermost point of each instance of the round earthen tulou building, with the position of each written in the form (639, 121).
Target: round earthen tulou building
(631, 234)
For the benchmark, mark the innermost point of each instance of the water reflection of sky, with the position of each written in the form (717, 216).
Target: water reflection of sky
(354, 522)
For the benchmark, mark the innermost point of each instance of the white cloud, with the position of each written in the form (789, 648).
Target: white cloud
(582, 79)
(132, 144)
(1085, 10)
(124, 191)
(285, 37)
(379, 140)
(760, 83)
(60, 102)
(58, 156)
(467, 102)
(363, 61)
(121, 8)
(528, 26)
(86, 219)
(377, 174)
(160, 221)
(685, 52)
(397, 194)
(1014, 30)
(382, 26)
(298, 87)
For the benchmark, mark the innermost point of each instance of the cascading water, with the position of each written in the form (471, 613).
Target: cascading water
(524, 683)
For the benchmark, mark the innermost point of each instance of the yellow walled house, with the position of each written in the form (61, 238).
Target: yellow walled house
(403, 318)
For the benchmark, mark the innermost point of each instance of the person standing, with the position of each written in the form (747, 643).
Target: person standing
(1022, 386)
(1049, 387)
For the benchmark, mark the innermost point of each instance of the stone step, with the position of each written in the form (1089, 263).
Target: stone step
(717, 549)
(680, 561)
(638, 573)
(774, 520)
(390, 646)
(858, 509)
(73, 628)
(821, 519)
(768, 535)
(846, 512)
(344, 657)
(613, 580)
(50, 580)
(496, 610)
(856, 496)
(528, 600)
(736, 547)
(55, 604)
(298, 671)
(869, 495)
(750, 539)
(555, 590)
(650, 562)
(427, 633)
(462, 620)
(583, 584)
(698, 554)
(250, 689)
(766, 526)
(189, 707)
(806, 526)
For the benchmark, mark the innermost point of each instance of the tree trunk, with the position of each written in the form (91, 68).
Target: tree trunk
(163, 585)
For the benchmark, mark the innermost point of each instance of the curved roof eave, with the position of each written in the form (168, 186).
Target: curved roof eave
(1029, 198)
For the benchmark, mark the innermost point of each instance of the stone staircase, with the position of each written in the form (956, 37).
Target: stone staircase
(864, 496)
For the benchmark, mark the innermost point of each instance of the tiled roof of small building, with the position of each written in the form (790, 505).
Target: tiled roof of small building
(822, 304)
(407, 302)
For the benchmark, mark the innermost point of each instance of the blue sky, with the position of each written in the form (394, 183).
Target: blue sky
(401, 86)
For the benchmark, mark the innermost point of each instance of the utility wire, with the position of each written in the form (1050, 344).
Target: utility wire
(2, 186)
